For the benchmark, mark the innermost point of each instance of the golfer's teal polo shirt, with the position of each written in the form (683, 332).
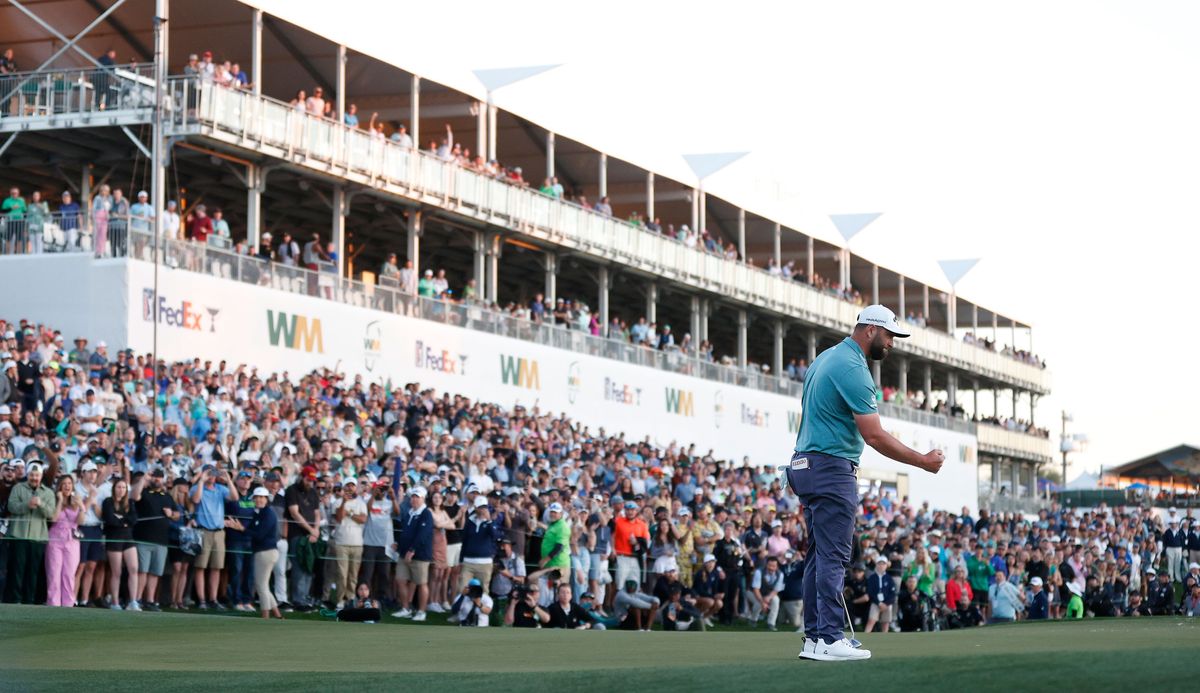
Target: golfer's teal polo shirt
(838, 385)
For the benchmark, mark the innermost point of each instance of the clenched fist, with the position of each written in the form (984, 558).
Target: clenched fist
(933, 460)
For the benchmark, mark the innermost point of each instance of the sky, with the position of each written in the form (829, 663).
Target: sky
(1057, 141)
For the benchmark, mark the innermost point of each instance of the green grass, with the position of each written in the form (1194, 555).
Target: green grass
(59, 649)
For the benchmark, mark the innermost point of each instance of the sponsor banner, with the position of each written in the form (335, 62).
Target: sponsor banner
(277, 331)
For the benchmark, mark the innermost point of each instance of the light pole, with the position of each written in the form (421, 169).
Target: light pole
(1069, 443)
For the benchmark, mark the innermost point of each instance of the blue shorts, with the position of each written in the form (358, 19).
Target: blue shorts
(91, 547)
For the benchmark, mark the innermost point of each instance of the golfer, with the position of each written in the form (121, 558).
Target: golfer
(839, 415)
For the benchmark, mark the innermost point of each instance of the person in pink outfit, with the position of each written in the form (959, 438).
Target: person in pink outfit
(62, 553)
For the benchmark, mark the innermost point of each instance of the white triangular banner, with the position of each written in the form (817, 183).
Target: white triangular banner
(704, 165)
(850, 224)
(493, 79)
(956, 269)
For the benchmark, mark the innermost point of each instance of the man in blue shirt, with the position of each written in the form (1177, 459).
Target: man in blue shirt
(881, 590)
(209, 498)
(839, 417)
(414, 544)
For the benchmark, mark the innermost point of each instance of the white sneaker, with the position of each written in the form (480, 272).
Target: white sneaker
(436, 608)
(838, 651)
(133, 606)
(420, 616)
(808, 647)
(445, 607)
(708, 622)
(403, 613)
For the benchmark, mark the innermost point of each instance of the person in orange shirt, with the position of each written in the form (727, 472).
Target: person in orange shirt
(627, 530)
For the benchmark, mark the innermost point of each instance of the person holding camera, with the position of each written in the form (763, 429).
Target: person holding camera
(523, 610)
(377, 534)
(210, 489)
(631, 536)
(473, 607)
(350, 514)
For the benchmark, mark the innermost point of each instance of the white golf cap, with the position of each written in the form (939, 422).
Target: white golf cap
(1194, 566)
(349, 481)
(709, 557)
(882, 316)
(555, 508)
(418, 491)
(88, 466)
(481, 502)
(1036, 581)
(261, 491)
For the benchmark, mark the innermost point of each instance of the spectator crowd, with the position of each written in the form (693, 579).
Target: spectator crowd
(134, 485)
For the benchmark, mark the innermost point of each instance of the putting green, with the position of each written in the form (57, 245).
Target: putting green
(52, 649)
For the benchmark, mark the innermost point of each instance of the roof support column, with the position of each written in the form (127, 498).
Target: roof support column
(414, 116)
(810, 260)
(777, 246)
(975, 320)
(702, 211)
(602, 279)
(603, 175)
(416, 229)
(877, 374)
(925, 302)
(1032, 407)
(651, 303)
(338, 232)
(551, 288)
(777, 361)
(902, 386)
(975, 399)
(256, 74)
(493, 114)
(549, 154)
(1016, 394)
(951, 312)
(812, 346)
(875, 286)
(493, 268)
(341, 83)
(995, 331)
(695, 321)
(902, 309)
(479, 262)
(741, 235)
(927, 386)
(705, 310)
(995, 401)
(255, 183)
(743, 324)
(951, 389)
(695, 209)
(481, 121)
(650, 198)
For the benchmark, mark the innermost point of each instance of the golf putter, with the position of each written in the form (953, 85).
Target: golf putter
(854, 642)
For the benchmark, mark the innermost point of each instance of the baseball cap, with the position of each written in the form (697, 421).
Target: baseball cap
(88, 466)
(481, 502)
(309, 472)
(474, 582)
(555, 508)
(684, 511)
(882, 316)
(349, 481)
(418, 491)
(33, 467)
(630, 505)
(1036, 581)
(709, 557)
(261, 491)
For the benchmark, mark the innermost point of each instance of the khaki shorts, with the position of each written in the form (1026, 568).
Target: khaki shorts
(881, 612)
(416, 572)
(212, 550)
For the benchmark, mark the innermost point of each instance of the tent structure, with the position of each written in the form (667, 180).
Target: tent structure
(1084, 482)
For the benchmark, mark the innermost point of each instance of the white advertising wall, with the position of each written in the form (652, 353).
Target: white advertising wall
(275, 331)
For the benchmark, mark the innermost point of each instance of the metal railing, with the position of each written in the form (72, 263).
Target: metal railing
(77, 91)
(926, 418)
(280, 129)
(225, 264)
(999, 503)
(1019, 444)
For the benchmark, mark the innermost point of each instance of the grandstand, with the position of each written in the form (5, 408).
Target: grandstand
(439, 176)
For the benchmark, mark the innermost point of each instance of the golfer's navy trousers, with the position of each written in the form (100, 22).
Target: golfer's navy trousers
(828, 487)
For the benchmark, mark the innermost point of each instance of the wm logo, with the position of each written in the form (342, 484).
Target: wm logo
(520, 372)
(793, 422)
(679, 402)
(295, 332)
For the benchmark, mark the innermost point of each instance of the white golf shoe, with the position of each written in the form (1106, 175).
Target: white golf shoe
(838, 651)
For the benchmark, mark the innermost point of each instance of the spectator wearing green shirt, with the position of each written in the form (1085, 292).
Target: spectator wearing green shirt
(13, 210)
(1075, 604)
(425, 287)
(980, 573)
(556, 544)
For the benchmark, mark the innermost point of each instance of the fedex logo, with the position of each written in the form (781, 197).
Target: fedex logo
(184, 314)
